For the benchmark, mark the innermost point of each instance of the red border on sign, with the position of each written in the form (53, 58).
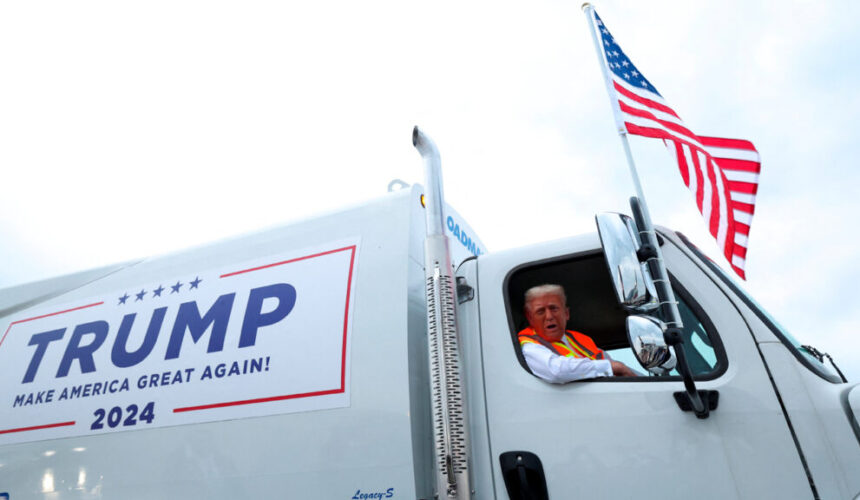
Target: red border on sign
(46, 426)
(37, 427)
(342, 387)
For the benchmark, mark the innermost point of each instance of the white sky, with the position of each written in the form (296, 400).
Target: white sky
(136, 128)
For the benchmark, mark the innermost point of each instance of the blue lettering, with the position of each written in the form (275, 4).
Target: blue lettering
(463, 237)
(41, 341)
(34, 398)
(83, 353)
(120, 355)
(255, 318)
(373, 495)
(188, 318)
(87, 338)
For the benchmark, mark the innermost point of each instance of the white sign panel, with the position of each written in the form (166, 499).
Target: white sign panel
(257, 338)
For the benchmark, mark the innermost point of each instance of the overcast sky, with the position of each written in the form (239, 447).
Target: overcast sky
(129, 129)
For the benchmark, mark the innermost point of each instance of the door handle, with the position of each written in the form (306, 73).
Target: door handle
(523, 474)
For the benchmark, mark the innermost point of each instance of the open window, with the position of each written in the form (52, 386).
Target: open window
(594, 311)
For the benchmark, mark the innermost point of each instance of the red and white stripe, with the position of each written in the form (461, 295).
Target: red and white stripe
(721, 173)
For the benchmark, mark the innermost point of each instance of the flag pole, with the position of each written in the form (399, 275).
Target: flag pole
(673, 316)
(654, 255)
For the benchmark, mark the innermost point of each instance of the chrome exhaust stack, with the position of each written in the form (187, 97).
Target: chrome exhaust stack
(450, 422)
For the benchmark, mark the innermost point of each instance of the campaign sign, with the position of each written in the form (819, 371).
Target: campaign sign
(258, 338)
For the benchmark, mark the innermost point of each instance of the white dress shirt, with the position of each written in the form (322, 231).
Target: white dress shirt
(560, 369)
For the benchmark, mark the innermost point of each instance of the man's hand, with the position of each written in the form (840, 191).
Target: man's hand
(619, 369)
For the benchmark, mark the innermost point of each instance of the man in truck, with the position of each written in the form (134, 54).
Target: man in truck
(558, 355)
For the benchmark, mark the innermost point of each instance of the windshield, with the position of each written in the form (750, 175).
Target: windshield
(797, 349)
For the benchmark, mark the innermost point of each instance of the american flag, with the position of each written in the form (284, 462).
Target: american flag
(721, 173)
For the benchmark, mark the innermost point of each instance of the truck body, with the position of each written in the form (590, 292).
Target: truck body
(293, 363)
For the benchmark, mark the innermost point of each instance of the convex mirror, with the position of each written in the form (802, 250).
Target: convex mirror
(633, 285)
(646, 339)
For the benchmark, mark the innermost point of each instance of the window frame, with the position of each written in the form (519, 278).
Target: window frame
(722, 361)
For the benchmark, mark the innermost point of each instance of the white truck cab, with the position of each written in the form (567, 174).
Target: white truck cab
(783, 426)
(372, 353)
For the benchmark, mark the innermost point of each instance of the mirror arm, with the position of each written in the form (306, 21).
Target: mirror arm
(668, 306)
(645, 253)
(638, 215)
(650, 247)
(672, 336)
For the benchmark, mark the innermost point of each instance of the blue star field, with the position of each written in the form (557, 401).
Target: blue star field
(619, 63)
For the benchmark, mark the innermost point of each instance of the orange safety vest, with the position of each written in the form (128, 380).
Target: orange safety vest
(583, 346)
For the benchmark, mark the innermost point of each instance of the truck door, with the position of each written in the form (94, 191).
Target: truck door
(627, 437)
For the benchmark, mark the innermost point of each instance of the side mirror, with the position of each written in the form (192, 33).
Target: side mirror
(646, 339)
(631, 279)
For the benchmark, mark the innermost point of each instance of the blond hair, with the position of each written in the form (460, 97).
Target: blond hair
(540, 290)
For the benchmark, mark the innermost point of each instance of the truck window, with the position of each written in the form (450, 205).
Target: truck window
(800, 353)
(595, 312)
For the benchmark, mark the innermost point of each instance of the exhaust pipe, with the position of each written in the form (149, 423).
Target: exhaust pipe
(450, 423)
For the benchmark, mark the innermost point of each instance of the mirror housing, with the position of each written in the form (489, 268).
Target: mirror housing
(619, 238)
(646, 339)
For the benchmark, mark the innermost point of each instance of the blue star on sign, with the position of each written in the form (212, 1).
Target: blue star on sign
(123, 299)
(196, 282)
(140, 295)
(176, 287)
(157, 291)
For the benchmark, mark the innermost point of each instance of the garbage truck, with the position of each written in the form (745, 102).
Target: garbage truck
(372, 353)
